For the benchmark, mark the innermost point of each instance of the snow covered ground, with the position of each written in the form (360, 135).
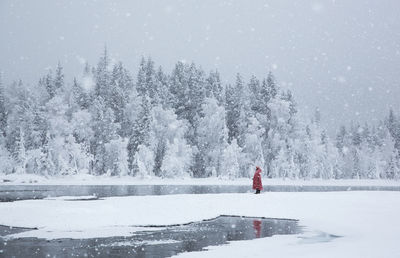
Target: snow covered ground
(368, 222)
(85, 179)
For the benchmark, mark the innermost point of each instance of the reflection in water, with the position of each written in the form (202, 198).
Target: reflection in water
(257, 227)
(163, 242)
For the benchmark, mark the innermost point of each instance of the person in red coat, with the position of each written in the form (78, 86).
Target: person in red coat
(257, 184)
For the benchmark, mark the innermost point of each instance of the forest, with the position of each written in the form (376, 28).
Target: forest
(186, 123)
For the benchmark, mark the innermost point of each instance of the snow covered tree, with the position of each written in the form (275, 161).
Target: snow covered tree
(180, 90)
(104, 130)
(212, 136)
(21, 120)
(146, 79)
(178, 125)
(102, 76)
(177, 159)
(172, 155)
(187, 88)
(214, 87)
(80, 96)
(393, 167)
(139, 135)
(393, 125)
(7, 163)
(121, 84)
(235, 109)
(341, 143)
(48, 82)
(230, 167)
(3, 111)
(252, 153)
(163, 93)
(117, 157)
(59, 78)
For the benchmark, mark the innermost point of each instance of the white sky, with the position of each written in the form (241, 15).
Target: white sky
(341, 56)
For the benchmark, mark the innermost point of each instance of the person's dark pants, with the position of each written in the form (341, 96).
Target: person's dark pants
(257, 191)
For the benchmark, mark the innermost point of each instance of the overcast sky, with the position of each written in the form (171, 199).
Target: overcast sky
(341, 56)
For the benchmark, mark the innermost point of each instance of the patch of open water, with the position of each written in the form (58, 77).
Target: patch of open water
(164, 241)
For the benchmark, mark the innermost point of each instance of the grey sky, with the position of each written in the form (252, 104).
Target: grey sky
(342, 56)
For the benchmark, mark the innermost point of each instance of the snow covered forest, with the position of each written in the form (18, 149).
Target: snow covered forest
(186, 123)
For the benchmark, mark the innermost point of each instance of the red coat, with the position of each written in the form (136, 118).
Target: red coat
(257, 184)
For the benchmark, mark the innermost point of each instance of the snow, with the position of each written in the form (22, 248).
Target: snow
(86, 233)
(86, 179)
(137, 243)
(367, 222)
(73, 198)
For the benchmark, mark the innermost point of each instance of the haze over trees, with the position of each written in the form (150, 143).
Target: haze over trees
(186, 123)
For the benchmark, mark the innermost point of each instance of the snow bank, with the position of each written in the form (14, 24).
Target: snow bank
(73, 198)
(86, 179)
(368, 222)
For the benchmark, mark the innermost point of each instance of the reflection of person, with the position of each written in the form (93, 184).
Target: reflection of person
(257, 185)
(257, 227)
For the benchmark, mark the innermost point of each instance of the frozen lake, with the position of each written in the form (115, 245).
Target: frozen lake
(164, 241)
(129, 226)
(26, 192)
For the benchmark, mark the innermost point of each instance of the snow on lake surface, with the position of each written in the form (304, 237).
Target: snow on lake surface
(367, 222)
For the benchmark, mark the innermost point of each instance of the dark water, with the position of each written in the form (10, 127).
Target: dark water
(162, 242)
(25, 192)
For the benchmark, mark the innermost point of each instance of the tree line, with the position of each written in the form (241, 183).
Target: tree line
(186, 123)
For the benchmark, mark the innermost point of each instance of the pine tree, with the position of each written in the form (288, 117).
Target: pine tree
(20, 152)
(79, 96)
(104, 130)
(234, 108)
(180, 90)
(163, 93)
(393, 126)
(141, 85)
(356, 135)
(46, 164)
(146, 84)
(139, 134)
(292, 104)
(3, 111)
(151, 84)
(214, 87)
(257, 103)
(161, 149)
(59, 78)
(317, 116)
(340, 139)
(102, 76)
(230, 112)
(272, 89)
(121, 85)
(49, 84)
(196, 83)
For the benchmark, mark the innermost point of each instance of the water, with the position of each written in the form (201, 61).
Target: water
(162, 242)
(25, 192)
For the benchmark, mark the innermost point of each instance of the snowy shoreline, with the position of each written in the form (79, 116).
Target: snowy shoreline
(28, 179)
